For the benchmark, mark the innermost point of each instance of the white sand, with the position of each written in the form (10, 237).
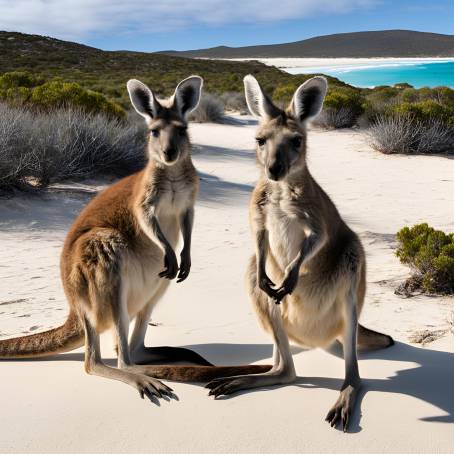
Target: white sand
(314, 65)
(408, 404)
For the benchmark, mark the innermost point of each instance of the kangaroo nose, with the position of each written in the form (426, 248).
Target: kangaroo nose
(170, 154)
(276, 170)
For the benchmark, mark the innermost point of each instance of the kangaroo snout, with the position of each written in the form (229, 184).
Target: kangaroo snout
(170, 154)
(276, 170)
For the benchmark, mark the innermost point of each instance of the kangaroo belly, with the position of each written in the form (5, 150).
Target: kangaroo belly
(141, 269)
(312, 322)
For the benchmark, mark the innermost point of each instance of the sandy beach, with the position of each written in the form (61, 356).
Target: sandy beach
(310, 64)
(406, 405)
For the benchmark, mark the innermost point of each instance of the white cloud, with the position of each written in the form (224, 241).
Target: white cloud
(83, 18)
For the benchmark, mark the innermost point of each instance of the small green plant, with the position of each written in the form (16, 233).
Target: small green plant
(430, 254)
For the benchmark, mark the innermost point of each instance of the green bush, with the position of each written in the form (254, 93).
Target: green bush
(403, 85)
(430, 254)
(423, 110)
(22, 88)
(339, 97)
(383, 95)
(57, 94)
(283, 93)
(16, 79)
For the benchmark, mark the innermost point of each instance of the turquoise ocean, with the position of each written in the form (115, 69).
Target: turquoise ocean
(419, 74)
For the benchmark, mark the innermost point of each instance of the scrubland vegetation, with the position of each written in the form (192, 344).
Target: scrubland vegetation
(36, 150)
(209, 110)
(19, 88)
(430, 254)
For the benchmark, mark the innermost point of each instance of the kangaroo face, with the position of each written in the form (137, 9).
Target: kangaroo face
(281, 147)
(281, 137)
(168, 140)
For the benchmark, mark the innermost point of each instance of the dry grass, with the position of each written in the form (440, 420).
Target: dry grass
(235, 102)
(426, 336)
(405, 134)
(209, 110)
(37, 149)
(331, 118)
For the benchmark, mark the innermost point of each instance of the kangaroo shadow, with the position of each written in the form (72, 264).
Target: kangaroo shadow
(431, 379)
(239, 121)
(211, 153)
(214, 189)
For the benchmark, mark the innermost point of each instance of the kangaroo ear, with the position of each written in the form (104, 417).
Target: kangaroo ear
(258, 102)
(143, 99)
(308, 99)
(187, 94)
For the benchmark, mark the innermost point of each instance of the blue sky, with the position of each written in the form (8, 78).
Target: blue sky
(173, 24)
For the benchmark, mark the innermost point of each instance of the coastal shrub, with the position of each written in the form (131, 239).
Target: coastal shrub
(423, 110)
(234, 101)
(209, 110)
(283, 93)
(21, 88)
(341, 109)
(430, 255)
(338, 98)
(64, 94)
(37, 149)
(406, 134)
(330, 118)
(403, 85)
(383, 95)
(15, 79)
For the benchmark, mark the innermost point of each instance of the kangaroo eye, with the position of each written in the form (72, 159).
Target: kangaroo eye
(155, 132)
(296, 141)
(260, 141)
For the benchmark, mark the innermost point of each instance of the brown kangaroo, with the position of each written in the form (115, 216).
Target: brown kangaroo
(111, 265)
(302, 243)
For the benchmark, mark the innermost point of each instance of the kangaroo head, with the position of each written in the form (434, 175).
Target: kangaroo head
(281, 136)
(168, 139)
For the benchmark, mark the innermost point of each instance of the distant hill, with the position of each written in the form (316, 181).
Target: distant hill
(107, 72)
(387, 43)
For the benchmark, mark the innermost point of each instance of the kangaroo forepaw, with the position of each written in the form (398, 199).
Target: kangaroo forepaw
(170, 266)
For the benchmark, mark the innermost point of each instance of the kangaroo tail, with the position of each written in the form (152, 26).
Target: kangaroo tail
(369, 340)
(65, 338)
(203, 373)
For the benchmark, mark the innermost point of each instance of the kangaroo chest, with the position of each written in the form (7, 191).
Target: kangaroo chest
(285, 231)
(175, 198)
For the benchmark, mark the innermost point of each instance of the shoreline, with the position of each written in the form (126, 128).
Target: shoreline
(307, 62)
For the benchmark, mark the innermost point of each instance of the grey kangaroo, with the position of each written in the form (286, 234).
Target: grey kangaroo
(303, 245)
